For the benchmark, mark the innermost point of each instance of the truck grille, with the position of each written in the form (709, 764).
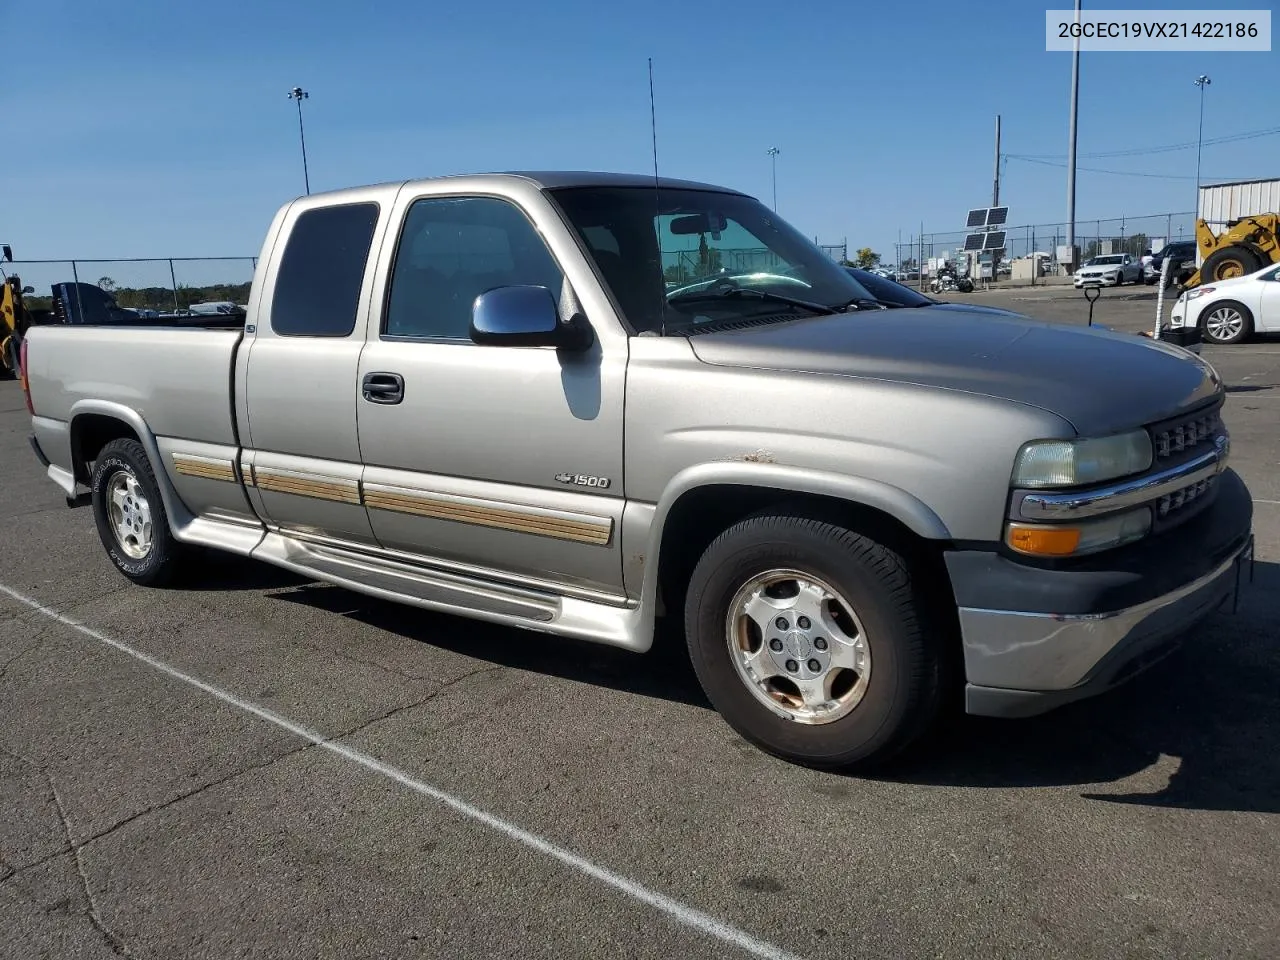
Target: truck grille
(1182, 500)
(1175, 439)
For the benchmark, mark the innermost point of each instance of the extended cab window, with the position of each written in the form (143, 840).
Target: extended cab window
(317, 290)
(454, 249)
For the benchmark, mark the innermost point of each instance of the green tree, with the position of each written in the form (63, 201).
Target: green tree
(107, 284)
(866, 258)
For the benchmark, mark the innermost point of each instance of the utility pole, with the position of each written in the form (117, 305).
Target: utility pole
(1201, 81)
(995, 199)
(995, 184)
(773, 161)
(298, 94)
(1071, 145)
(922, 256)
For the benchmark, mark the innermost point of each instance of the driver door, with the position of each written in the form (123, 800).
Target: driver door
(507, 458)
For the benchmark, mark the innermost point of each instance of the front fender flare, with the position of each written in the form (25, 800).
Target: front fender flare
(913, 513)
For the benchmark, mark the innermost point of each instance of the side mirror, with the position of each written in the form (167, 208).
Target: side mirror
(525, 316)
(7, 252)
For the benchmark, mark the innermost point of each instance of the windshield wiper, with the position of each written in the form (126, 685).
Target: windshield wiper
(765, 295)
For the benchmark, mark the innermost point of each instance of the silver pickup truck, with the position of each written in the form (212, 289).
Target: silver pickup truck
(576, 403)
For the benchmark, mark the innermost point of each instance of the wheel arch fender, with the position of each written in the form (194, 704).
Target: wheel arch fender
(782, 480)
(82, 410)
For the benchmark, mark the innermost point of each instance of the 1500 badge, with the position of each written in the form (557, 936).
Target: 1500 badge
(581, 480)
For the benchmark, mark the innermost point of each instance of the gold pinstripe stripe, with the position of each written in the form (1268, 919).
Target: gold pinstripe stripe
(574, 527)
(207, 468)
(337, 490)
(578, 528)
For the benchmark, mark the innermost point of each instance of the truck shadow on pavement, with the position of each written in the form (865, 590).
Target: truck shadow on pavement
(1209, 713)
(664, 673)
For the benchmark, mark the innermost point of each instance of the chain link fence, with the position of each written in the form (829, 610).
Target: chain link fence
(679, 266)
(1133, 235)
(176, 283)
(163, 285)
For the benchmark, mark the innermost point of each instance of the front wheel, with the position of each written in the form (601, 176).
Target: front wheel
(130, 515)
(808, 639)
(1226, 322)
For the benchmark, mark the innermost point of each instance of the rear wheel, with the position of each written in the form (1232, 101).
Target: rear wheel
(808, 640)
(1226, 322)
(130, 515)
(1229, 263)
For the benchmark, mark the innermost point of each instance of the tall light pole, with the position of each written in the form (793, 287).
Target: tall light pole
(1201, 81)
(1071, 145)
(773, 159)
(298, 94)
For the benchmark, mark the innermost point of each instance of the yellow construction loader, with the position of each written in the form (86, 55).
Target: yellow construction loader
(14, 321)
(1244, 247)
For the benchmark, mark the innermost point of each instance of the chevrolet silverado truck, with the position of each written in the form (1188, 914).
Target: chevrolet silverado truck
(477, 395)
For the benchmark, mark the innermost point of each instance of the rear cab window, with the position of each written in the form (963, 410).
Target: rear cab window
(317, 287)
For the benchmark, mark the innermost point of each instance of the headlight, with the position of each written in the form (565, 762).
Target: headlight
(1074, 463)
(1078, 539)
(1198, 292)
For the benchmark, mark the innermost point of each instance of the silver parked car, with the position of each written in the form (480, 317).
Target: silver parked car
(477, 395)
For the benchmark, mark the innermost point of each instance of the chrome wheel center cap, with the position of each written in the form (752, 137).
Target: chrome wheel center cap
(797, 645)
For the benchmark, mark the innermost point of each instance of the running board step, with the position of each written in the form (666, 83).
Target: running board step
(400, 581)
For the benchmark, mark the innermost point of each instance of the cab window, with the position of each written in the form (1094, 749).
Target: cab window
(452, 249)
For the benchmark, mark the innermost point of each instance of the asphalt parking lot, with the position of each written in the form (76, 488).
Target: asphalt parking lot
(261, 766)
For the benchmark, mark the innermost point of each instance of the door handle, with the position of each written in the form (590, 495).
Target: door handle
(382, 387)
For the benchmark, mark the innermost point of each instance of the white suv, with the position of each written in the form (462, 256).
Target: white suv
(1109, 270)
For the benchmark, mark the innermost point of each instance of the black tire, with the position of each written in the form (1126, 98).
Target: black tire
(161, 562)
(903, 691)
(9, 369)
(1229, 263)
(1244, 331)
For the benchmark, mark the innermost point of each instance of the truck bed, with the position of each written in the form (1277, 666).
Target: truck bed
(177, 378)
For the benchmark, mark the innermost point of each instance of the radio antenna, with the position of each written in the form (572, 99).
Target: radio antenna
(657, 207)
(653, 125)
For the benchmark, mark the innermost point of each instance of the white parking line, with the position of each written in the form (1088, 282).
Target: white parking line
(688, 916)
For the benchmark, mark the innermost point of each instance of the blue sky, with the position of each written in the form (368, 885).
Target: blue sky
(162, 127)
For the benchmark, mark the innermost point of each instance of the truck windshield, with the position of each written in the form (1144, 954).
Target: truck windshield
(675, 259)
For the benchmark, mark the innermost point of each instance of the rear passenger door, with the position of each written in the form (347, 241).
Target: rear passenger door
(302, 458)
(475, 460)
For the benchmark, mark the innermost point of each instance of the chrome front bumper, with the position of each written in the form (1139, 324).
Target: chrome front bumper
(1021, 664)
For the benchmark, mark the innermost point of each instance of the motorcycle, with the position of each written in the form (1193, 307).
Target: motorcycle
(947, 282)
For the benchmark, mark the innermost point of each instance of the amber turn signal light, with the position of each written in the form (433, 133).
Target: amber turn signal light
(1040, 541)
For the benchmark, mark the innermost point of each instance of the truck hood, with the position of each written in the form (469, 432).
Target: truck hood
(1101, 382)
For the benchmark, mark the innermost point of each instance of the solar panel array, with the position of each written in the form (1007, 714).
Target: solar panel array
(987, 217)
